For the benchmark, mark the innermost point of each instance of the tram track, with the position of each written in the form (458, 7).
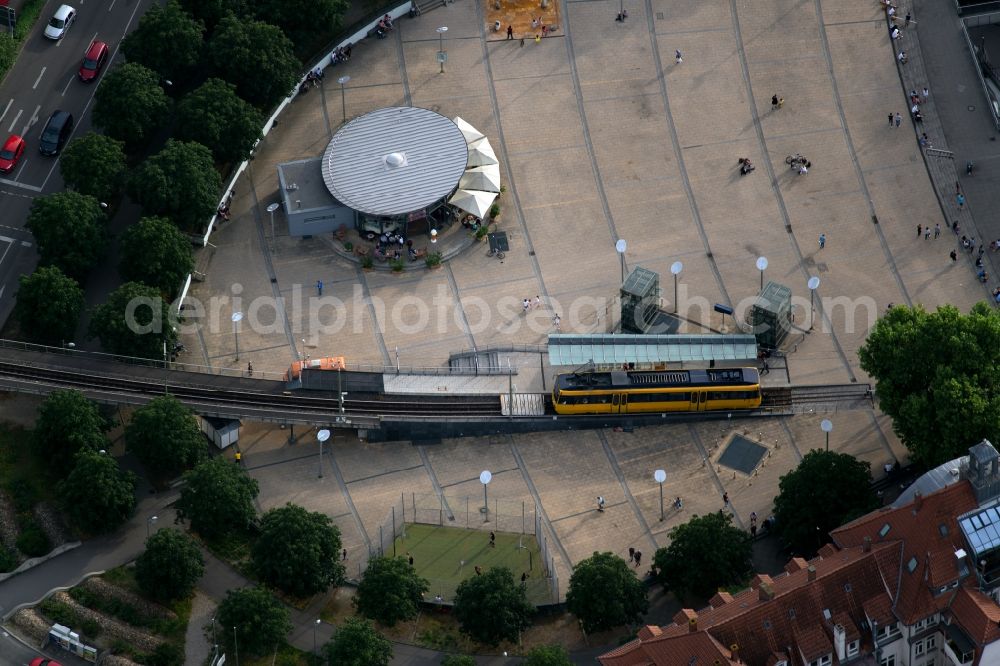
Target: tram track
(794, 398)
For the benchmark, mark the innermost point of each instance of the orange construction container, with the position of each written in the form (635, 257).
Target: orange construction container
(328, 363)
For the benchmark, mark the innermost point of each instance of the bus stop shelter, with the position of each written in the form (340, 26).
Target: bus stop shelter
(651, 351)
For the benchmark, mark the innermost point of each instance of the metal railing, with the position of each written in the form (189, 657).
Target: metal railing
(978, 58)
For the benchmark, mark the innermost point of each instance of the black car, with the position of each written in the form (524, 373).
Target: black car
(56, 133)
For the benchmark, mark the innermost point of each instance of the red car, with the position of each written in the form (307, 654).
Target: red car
(11, 152)
(39, 661)
(93, 61)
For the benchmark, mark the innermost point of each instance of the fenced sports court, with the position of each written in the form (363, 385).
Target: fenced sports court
(448, 537)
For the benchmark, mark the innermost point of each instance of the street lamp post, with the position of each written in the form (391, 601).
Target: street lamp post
(236, 647)
(484, 478)
(813, 285)
(149, 522)
(315, 626)
(675, 270)
(826, 425)
(270, 209)
(343, 99)
(322, 436)
(761, 266)
(660, 476)
(620, 248)
(441, 54)
(237, 317)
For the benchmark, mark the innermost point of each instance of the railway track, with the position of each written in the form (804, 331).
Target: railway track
(795, 397)
(373, 405)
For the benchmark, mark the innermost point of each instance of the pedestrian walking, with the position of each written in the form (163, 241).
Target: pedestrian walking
(479, 572)
(753, 530)
(927, 233)
(522, 42)
(493, 540)
(677, 56)
(557, 322)
(631, 554)
(890, 120)
(525, 304)
(538, 39)
(937, 231)
(537, 303)
(600, 504)
(343, 555)
(953, 255)
(898, 119)
(920, 230)
(510, 32)
(926, 93)
(954, 226)
(638, 558)
(239, 456)
(725, 499)
(250, 369)
(961, 201)
(319, 287)
(410, 559)
(822, 241)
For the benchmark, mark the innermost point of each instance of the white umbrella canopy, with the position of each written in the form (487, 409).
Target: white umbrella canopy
(468, 131)
(473, 201)
(485, 178)
(481, 153)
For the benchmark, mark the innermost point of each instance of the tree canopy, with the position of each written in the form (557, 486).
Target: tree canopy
(210, 12)
(180, 182)
(604, 592)
(255, 618)
(706, 553)
(548, 655)
(170, 566)
(98, 496)
(357, 643)
(257, 57)
(165, 436)
(133, 321)
(938, 377)
(492, 607)
(94, 164)
(218, 498)
(68, 422)
(48, 305)
(216, 117)
(390, 591)
(302, 20)
(130, 104)
(155, 252)
(167, 40)
(298, 551)
(826, 490)
(70, 231)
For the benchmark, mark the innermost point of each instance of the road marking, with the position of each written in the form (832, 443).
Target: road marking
(112, 5)
(31, 121)
(6, 108)
(19, 112)
(38, 80)
(63, 93)
(13, 183)
(10, 244)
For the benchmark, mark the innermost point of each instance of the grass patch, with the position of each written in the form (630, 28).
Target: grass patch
(10, 47)
(235, 549)
(61, 613)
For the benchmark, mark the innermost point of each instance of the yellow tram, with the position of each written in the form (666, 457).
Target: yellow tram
(630, 392)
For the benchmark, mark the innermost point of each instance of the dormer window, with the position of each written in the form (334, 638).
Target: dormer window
(911, 566)
(853, 647)
(885, 530)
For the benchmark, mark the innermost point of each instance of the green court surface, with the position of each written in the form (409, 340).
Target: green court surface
(446, 556)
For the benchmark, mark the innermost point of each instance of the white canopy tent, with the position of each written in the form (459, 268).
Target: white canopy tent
(473, 201)
(481, 154)
(485, 178)
(468, 131)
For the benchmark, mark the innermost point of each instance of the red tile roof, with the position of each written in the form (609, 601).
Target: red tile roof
(698, 648)
(978, 614)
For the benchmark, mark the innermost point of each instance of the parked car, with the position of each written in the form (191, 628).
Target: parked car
(60, 22)
(56, 133)
(11, 153)
(40, 661)
(93, 61)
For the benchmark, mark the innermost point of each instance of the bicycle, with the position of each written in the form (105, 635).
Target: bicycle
(793, 161)
(495, 252)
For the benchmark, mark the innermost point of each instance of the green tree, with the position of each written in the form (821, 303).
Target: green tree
(165, 436)
(704, 554)
(938, 377)
(458, 660)
(217, 498)
(179, 182)
(255, 619)
(133, 321)
(302, 20)
(357, 643)
(825, 491)
(390, 591)
(257, 58)
(167, 40)
(604, 592)
(70, 231)
(48, 305)
(492, 607)
(548, 655)
(298, 551)
(216, 117)
(170, 566)
(130, 104)
(98, 496)
(210, 12)
(67, 423)
(94, 164)
(155, 252)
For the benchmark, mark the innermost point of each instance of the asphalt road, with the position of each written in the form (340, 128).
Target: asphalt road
(42, 81)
